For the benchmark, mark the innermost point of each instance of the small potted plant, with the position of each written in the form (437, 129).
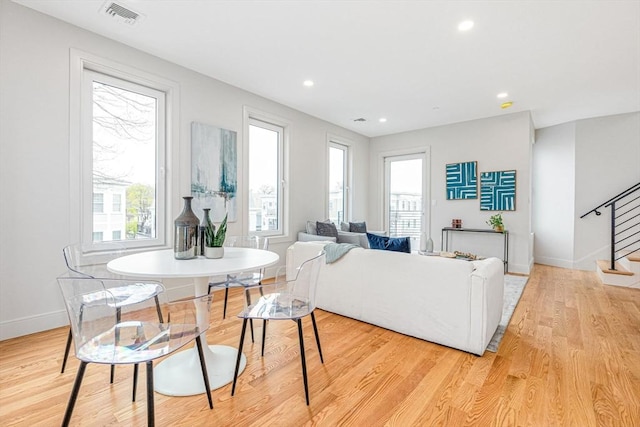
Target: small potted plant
(214, 240)
(496, 222)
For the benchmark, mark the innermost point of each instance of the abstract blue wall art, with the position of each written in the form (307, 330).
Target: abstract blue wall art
(498, 191)
(214, 171)
(462, 181)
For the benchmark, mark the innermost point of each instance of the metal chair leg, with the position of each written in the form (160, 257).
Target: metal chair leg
(235, 374)
(315, 329)
(74, 393)
(226, 295)
(304, 362)
(248, 295)
(66, 351)
(205, 376)
(264, 335)
(135, 381)
(151, 418)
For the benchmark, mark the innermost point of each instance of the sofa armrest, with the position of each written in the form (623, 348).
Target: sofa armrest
(306, 237)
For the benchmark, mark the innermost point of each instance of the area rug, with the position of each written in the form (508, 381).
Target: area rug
(513, 287)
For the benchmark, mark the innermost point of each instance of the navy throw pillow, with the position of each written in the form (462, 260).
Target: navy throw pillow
(397, 244)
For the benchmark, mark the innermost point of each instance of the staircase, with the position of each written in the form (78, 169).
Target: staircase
(623, 266)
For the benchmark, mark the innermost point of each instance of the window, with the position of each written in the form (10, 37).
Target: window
(338, 182)
(266, 177)
(116, 203)
(122, 147)
(405, 177)
(98, 203)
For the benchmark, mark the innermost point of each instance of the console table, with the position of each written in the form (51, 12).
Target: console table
(444, 245)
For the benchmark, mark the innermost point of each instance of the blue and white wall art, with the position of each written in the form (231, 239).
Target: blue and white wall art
(462, 181)
(214, 171)
(498, 191)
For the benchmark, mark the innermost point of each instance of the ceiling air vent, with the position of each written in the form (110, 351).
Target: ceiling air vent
(121, 13)
(361, 119)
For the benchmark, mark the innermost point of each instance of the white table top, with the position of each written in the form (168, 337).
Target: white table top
(162, 264)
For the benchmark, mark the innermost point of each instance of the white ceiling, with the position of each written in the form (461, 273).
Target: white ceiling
(403, 60)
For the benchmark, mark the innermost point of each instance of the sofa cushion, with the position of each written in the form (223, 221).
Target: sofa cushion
(311, 226)
(397, 244)
(326, 229)
(358, 227)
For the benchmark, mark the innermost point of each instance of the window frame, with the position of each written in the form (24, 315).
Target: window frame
(253, 117)
(80, 151)
(346, 146)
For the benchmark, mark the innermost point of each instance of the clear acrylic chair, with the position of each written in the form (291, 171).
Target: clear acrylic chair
(83, 260)
(245, 278)
(288, 300)
(109, 330)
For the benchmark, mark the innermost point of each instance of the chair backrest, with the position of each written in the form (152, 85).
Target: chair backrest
(254, 242)
(305, 283)
(107, 331)
(85, 261)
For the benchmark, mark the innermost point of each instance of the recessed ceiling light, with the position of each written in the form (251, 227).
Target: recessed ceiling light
(308, 83)
(506, 104)
(465, 25)
(503, 95)
(382, 119)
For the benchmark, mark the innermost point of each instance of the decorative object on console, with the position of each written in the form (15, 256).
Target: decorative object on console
(214, 174)
(214, 240)
(498, 191)
(185, 232)
(462, 181)
(326, 229)
(396, 244)
(495, 221)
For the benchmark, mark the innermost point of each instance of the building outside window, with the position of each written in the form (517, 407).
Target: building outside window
(98, 202)
(116, 202)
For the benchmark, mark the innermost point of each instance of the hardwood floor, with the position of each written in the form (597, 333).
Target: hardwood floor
(570, 356)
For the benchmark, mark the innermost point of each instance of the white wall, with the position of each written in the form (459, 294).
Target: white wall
(34, 161)
(554, 195)
(607, 162)
(578, 166)
(499, 143)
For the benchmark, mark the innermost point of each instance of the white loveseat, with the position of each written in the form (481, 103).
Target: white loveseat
(451, 302)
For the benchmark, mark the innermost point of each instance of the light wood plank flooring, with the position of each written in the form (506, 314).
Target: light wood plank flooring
(571, 356)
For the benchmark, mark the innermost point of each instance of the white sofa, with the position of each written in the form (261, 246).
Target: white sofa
(359, 239)
(451, 302)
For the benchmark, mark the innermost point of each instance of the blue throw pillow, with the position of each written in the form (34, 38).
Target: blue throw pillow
(397, 244)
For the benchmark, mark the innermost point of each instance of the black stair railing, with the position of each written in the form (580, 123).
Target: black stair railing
(625, 222)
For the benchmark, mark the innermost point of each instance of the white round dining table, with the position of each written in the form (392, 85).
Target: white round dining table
(180, 374)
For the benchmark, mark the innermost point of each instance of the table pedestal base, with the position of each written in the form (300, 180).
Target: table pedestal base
(181, 375)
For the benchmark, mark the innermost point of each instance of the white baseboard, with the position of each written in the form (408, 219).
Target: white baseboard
(32, 324)
(44, 322)
(555, 262)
